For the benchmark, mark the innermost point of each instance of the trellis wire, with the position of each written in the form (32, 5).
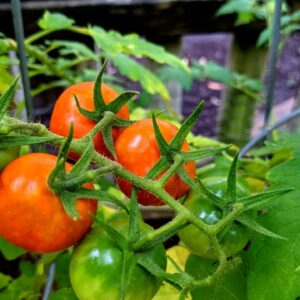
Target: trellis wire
(19, 32)
(273, 61)
(265, 132)
(50, 281)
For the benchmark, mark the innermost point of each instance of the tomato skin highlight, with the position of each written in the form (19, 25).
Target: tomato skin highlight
(96, 269)
(65, 111)
(7, 155)
(32, 216)
(137, 151)
(233, 240)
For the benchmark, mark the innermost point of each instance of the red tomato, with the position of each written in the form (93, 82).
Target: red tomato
(32, 216)
(137, 151)
(65, 111)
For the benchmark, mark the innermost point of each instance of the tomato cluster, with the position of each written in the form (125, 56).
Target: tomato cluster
(41, 224)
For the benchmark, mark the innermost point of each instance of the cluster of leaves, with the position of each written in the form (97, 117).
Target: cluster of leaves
(248, 11)
(66, 62)
(63, 58)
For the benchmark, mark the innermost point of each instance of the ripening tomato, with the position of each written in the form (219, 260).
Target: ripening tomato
(137, 151)
(233, 239)
(96, 268)
(65, 111)
(32, 216)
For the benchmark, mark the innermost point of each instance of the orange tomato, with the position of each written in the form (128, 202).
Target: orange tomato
(65, 111)
(137, 151)
(32, 216)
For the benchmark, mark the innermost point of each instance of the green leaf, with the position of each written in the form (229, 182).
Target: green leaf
(136, 72)
(109, 42)
(63, 294)
(4, 280)
(233, 6)
(6, 97)
(218, 73)
(264, 37)
(25, 286)
(55, 21)
(168, 74)
(272, 273)
(231, 286)
(74, 48)
(10, 251)
(62, 263)
(140, 47)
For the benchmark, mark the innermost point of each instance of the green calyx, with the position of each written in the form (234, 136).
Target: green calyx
(247, 205)
(171, 155)
(102, 110)
(69, 186)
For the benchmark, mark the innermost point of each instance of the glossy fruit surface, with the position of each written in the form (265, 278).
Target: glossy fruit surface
(137, 151)
(65, 111)
(7, 155)
(233, 239)
(231, 286)
(32, 216)
(96, 269)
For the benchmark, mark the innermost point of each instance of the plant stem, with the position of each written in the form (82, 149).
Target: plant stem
(238, 208)
(154, 187)
(163, 230)
(88, 176)
(107, 119)
(171, 171)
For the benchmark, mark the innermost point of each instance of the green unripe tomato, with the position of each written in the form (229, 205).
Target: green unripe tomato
(7, 155)
(233, 239)
(96, 269)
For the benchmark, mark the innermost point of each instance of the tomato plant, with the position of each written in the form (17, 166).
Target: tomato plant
(65, 111)
(7, 155)
(32, 216)
(97, 263)
(137, 151)
(233, 239)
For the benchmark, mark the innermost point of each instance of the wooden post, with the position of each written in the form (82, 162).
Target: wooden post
(236, 115)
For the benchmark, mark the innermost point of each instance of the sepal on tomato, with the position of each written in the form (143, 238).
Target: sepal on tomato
(69, 186)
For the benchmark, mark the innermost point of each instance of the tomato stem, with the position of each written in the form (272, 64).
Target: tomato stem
(145, 240)
(178, 162)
